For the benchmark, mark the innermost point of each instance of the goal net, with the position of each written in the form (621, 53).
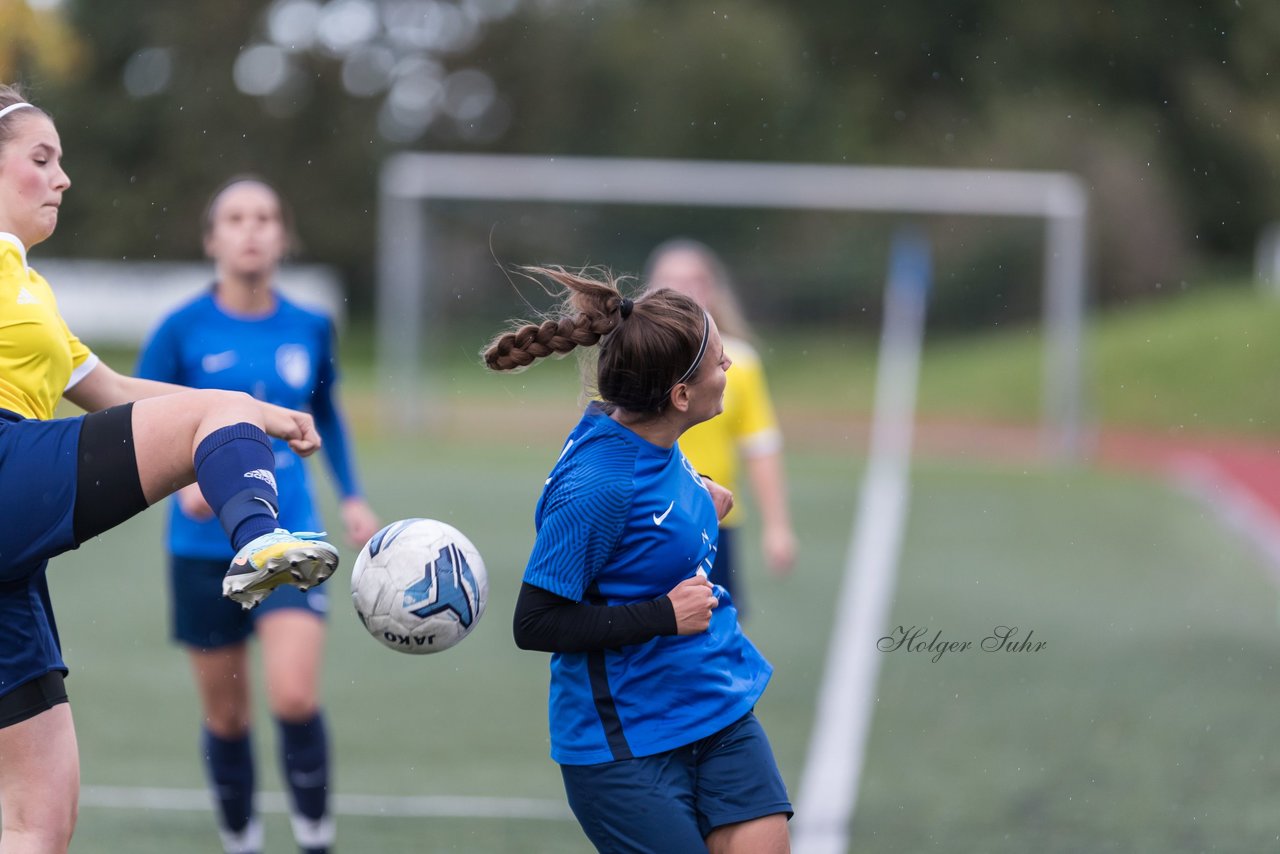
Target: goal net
(411, 182)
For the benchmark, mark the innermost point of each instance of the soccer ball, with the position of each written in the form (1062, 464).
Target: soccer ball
(419, 586)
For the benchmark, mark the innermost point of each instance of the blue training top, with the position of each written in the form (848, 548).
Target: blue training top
(285, 358)
(620, 521)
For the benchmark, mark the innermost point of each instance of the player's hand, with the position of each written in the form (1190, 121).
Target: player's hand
(359, 520)
(296, 428)
(192, 504)
(720, 496)
(693, 601)
(779, 545)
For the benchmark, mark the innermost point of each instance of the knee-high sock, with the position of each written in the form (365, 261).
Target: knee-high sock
(229, 766)
(304, 754)
(235, 468)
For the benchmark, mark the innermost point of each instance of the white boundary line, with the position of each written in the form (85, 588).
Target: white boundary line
(828, 789)
(427, 806)
(1234, 505)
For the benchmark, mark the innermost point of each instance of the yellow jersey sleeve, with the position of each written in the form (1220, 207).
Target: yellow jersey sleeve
(747, 426)
(40, 358)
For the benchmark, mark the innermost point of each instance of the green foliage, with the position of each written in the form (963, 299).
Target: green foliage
(1164, 109)
(1203, 362)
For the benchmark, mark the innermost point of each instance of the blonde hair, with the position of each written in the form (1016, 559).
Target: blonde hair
(723, 306)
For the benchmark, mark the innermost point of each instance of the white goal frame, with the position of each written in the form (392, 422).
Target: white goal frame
(409, 181)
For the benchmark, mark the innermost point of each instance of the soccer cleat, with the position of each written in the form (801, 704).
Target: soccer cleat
(280, 557)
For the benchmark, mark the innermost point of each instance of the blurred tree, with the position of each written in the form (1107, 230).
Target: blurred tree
(1166, 109)
(38, 39)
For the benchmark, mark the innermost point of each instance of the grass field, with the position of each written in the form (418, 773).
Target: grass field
(1145, 724)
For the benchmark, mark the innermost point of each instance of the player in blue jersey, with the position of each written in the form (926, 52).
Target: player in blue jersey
(243, 334)
(653, 683)
(64, 481)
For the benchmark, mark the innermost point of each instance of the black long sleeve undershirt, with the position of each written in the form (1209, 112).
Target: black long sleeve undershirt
(550, 623)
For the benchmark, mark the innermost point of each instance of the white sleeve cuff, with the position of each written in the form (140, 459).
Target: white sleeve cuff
(759, 444)
(86, 367)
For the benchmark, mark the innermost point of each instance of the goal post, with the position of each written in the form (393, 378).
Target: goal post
(410, 181)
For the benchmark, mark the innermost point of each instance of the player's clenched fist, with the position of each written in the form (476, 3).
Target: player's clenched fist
(693, 601)
(296, 428)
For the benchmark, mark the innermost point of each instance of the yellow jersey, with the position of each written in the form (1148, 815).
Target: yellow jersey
(748, 425)
(39, 357)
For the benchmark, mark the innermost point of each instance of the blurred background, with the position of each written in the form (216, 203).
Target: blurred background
(1165, 110)
(1143, 728)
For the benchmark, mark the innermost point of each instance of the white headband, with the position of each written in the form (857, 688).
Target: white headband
(18, 106)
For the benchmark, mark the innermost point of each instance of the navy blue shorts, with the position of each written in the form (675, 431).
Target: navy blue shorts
(61, 483)
(725, 571)
(203, 618)
(668, 803)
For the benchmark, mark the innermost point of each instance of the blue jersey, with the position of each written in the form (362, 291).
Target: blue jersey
(285, 358)
(620, 521)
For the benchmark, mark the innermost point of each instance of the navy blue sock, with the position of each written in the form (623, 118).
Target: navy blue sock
(235, 468)
(304, 752)
(229, 765)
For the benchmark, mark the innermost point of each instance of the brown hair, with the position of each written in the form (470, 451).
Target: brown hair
(292, 243)
(723, 305)
(645, 347)
(11, 94)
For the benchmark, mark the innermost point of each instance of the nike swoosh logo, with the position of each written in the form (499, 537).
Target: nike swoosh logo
(308, 779)
(658, 520)
(215, 362)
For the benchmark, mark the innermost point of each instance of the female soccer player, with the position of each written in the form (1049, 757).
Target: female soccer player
(748, 429)
(653, 682)
(64, 481)
(244, 335)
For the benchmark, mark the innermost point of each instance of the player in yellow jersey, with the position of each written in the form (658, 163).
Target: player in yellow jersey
(64, 481)
(747, 431)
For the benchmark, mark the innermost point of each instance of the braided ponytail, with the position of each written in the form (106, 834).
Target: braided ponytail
(591, 310)
(644, 346)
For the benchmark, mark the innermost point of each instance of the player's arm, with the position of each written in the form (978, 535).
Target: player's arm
(103, 387)
(551, 623)
(581, 518)
(760, 442)
(721, 497)
(358, 517)
(769, 484)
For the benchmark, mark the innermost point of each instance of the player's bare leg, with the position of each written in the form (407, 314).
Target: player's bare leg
(167, 430)
(39, 783)
(767, 835)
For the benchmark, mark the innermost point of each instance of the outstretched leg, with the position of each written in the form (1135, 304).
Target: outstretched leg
(217, 438)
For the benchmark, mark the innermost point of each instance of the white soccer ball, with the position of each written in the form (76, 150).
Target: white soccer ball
(419, 586)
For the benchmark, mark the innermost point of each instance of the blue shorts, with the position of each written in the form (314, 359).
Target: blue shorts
(38, 493)
(203, 618)
(668, 803)
(61, 483)
(725, 571)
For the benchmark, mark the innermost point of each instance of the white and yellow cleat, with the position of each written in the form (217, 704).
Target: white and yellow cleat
(280, 557)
